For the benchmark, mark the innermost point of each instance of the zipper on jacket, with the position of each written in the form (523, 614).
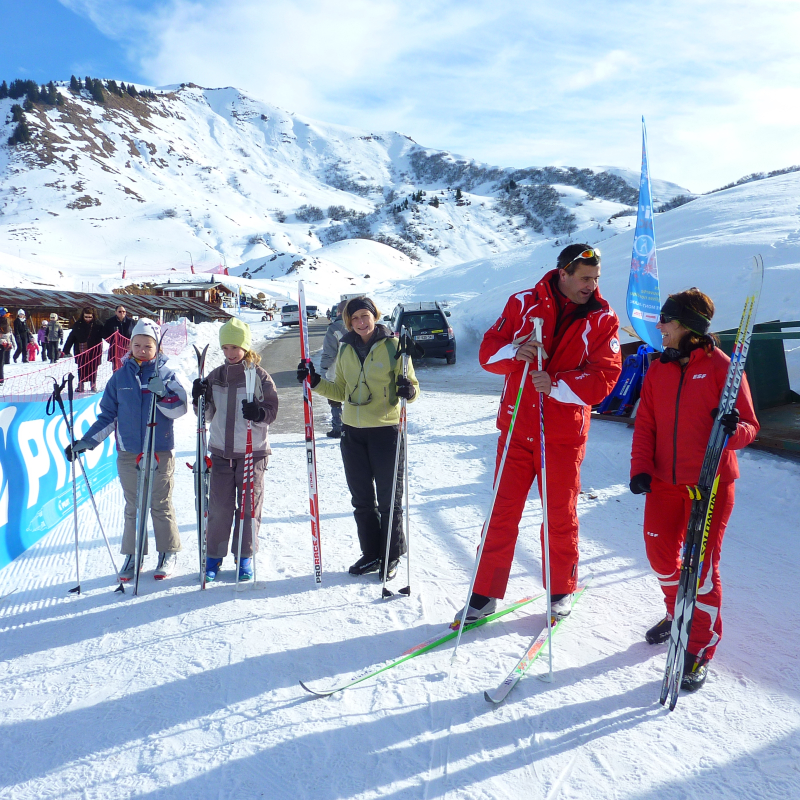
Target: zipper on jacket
(675, 432)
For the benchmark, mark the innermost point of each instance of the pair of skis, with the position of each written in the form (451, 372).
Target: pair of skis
(248, 482)
(147, 464)
(703, 497)
(201, 470)
(311, 448)
(497, 695)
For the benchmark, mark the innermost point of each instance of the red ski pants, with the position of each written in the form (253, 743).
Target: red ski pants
(523, 465)
(666, 515)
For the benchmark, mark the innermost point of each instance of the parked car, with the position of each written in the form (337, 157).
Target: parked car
(428, 325)
(290, 315)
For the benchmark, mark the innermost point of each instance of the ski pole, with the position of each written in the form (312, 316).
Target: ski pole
(70, 378)
(537, 328)
(247, 469)
(121, 587)
(491, 508)
(406, 590)
(402, 429)
(56, 398)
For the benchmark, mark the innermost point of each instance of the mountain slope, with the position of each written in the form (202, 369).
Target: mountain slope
(193, 178)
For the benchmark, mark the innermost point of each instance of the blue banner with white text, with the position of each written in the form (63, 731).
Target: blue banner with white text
(644, 300)
(35, 476)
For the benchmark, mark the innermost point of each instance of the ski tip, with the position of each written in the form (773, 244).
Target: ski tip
(386, 593)
(313, 691)
(489, 699)
(406, 590)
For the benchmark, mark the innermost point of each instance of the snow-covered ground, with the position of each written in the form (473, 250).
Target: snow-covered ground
(181, 693)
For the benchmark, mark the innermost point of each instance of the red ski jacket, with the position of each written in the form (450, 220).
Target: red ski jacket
(584, 361)
(673, 421)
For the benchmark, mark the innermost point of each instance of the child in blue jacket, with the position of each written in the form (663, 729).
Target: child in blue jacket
(125, 409)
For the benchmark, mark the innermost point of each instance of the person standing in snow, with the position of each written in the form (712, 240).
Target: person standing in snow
(85, 339)
(33, 349)
(55, 338)
(125, 409)
(228, 411)
(6, 344)
(582, 363)
(369, 382)
(121, 324)
(679, 402)
(330, 350)
(41, 336)
(21, 336)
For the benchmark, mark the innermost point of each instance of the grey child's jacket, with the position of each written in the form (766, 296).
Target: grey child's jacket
(227, 431)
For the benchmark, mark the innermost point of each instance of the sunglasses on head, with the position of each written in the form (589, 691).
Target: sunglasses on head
(587, 255)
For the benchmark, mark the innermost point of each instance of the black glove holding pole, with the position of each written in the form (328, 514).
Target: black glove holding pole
(405, 388)
(729, 421)
(199, 389)
(253, 411)
(306, 370)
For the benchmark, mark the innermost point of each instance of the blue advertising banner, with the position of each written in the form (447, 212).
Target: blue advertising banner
(644, 300)
(35, 476)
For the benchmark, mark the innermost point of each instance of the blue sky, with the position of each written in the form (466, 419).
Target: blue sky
(510, 83)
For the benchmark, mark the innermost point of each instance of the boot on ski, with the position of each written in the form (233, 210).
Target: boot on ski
(479, 607)
(561, 605)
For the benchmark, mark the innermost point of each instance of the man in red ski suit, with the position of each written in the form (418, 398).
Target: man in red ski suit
(582, 364)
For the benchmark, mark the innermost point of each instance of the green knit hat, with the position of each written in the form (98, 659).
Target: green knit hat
(235, 332)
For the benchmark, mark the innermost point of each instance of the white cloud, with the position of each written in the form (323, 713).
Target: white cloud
(514, 83)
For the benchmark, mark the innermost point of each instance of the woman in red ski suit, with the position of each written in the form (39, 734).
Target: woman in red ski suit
(679, 401)
(581, 367)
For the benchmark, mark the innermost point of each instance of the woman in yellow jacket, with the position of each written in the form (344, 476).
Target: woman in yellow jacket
(369, 383)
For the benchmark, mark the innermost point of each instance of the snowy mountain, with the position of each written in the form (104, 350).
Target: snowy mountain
(159, 184)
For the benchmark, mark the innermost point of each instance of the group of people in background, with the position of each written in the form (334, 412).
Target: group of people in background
(86, 333)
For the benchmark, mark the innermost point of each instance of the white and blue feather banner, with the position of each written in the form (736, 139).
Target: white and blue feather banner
(644, 300)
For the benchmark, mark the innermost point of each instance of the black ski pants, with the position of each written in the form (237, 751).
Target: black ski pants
(368, 455)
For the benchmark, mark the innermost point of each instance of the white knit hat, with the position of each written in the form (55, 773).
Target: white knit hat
(147, 327)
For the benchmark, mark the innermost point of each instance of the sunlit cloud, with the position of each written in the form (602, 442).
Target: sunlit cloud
(514, 83)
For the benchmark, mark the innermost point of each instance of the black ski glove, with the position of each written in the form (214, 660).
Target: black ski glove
(729, 421)
(405, 388)
(640, 484)
(253, 411)
(199, 389)
(80, 445)
(306, 370)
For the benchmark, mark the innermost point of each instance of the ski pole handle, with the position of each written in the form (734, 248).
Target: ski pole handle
(537, 332)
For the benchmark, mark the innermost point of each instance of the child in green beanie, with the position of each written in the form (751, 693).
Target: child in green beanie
(228, 412)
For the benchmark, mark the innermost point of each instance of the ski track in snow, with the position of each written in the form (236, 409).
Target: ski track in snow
(180, 693)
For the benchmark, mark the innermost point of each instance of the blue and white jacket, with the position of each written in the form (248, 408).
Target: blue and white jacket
(125, 406)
